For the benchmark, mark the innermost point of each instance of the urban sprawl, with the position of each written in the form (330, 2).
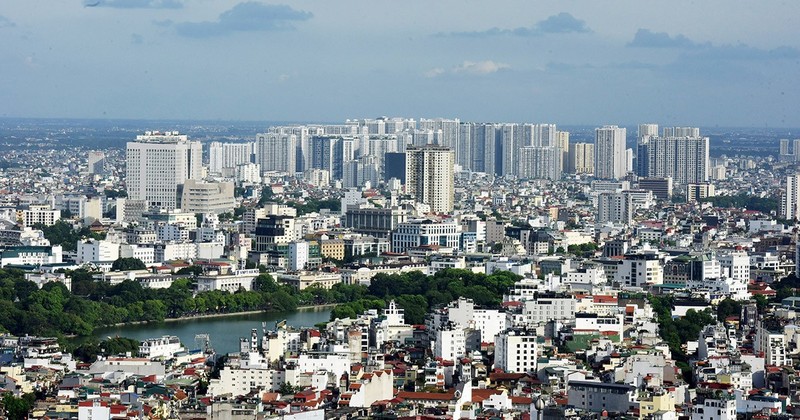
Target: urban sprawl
(471, 271)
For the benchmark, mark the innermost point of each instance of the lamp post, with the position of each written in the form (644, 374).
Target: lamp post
(539, 404)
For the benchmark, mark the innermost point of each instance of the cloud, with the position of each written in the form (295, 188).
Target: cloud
(477, 68)
(561, 23)
(135, 4)
(5, 22)
(246, 17)
(137, 39)
(437, 71)
(645, 38)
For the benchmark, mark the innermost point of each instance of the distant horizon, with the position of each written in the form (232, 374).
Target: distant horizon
(308, 122)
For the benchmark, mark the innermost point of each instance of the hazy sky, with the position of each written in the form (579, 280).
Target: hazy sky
(701, 62)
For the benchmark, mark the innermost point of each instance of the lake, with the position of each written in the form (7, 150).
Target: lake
(224, 332)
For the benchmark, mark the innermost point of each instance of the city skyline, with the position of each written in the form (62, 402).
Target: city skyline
(577, 63)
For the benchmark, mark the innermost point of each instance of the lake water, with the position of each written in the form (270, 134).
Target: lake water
(224, 332)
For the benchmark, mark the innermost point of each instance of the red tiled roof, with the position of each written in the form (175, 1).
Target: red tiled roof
(432, 396)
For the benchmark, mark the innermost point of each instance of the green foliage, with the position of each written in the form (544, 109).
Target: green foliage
(125, 264)
(266, 196)
(288, 389)
(62, 233)
(585, 249)
(728, 307)
(18, 408)
(750, 202)
(417, 293)
(194, 270)
(54, 311)
(677, 332)
(88, 351)
(314, 206)
(115, 193)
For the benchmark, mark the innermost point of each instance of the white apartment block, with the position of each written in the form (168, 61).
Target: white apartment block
(144, 253)
(516, 351)
(228, 155)
(426, 232)
(277, 152)
(609, 152)
(489, 322)
(542, 308)
(207, 197)
(40, 214)
(93, 250)
(772, 345)
(240, 279)
(157, 163)
(449, 342)
(640, 269)
(165, 346)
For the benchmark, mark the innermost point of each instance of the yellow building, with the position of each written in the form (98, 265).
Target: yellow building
(658, 402)
(332, 248)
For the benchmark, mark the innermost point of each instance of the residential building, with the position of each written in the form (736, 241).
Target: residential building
(609, 152)
(157, 164)
(429, 176)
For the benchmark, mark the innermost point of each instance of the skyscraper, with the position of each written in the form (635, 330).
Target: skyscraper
(790, 206)
(609, 152)
(429, 176)
(544, 135)
(157, 163)
(511, 141)
(645, 133)
(562, 143)
(484, 148)
(682, 158)
(277, 152)
(539, 163)
(581, 158)
(228, 155)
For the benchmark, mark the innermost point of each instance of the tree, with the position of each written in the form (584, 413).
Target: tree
(127, 264)
(195, 270)
(18, 408)
(728, 307)
(288, 389)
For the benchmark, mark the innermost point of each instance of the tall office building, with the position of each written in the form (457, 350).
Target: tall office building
(429, 176)
(609, 152)
(157, 164)
(581, 158)
(277, 152)
(684, 158)
(790, 206)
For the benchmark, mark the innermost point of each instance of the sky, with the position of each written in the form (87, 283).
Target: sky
(698, 63)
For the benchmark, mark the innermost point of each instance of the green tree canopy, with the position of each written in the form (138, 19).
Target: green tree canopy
(128, 263)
